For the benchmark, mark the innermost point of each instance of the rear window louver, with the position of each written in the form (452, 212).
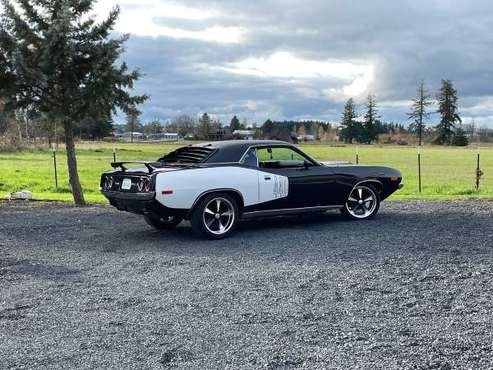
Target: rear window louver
(188, 154)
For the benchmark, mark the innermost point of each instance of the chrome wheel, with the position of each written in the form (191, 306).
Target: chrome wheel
(362, 202)
(218, 216)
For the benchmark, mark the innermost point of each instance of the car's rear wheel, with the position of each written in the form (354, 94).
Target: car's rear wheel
(363, 203)
(215, 216)
(163, 223)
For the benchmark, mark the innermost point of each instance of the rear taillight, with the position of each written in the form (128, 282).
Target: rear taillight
(147, 185)
(144, 185)
(108, 182)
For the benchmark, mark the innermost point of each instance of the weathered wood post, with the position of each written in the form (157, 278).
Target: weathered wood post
(479, 173)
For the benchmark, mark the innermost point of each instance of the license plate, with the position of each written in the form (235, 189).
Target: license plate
(126, 184)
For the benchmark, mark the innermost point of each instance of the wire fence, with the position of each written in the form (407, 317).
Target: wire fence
(428, 172)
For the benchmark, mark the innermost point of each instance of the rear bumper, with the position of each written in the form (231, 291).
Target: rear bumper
(139, 203)
(128, 196)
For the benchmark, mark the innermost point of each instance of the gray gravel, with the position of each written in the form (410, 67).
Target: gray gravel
(96, 288)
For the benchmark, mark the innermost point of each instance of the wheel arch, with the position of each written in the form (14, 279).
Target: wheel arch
(374, 182)
(236, 194)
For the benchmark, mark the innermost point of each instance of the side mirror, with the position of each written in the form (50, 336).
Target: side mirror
(306, 164)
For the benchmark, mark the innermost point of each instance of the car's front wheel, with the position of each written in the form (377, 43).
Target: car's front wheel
(163, 223)
(215, 216)
(363, 203)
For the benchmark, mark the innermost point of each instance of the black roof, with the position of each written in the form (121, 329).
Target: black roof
(216, 151)
(233, 150)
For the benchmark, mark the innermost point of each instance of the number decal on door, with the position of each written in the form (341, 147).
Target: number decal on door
(281, 187)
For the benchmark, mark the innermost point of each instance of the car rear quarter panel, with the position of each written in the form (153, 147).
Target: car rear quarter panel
(188, 184)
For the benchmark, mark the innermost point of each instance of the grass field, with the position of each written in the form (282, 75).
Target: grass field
(448, 173)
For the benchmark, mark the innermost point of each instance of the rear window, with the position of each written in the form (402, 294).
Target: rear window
(188, 154)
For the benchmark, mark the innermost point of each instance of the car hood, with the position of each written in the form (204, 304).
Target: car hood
(336, 163)
(366, 170)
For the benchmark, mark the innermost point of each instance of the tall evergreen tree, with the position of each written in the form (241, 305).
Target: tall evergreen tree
(93, 128)
(370, 121)
(235, 124)
(204, 126)
(460, 138)
(349, 130)
(448, 109)
(419, 114)
(268, 128)
(133, 123)
(55, 58)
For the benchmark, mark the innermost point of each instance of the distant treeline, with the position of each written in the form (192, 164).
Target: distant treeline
(356, 125)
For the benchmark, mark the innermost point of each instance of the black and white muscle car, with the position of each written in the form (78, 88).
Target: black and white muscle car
(215, 185)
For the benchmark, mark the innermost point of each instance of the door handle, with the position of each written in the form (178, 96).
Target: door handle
(267, 177)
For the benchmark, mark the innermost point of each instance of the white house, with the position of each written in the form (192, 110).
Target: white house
(244, 134)
(164, 136)
(306, 138)
(131, 136)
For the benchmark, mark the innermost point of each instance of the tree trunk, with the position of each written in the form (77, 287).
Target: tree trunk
(72, 164)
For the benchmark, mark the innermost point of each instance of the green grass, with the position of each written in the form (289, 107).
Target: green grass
(448, 173)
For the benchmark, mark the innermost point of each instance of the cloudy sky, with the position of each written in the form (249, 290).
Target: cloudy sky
(287, 59)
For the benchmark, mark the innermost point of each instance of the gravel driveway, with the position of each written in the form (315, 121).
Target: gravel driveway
(98, 288)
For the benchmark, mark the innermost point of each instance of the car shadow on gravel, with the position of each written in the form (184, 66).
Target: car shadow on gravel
(391, 231)
(183, 238)
(247, 229)
(290, 222)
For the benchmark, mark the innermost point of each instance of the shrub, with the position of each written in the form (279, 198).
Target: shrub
(460, 138)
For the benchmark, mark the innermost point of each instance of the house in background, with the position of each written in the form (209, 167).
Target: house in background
(244, 134)
(306, 138)
(218, 133)
(130, 136)
(164, 136)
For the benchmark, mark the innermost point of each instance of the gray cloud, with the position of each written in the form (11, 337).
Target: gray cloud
(405, 41)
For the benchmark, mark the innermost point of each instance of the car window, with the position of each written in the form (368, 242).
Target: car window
(280, 158)
(250, 158)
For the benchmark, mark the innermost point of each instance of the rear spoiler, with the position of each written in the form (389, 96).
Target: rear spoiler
(121, 165)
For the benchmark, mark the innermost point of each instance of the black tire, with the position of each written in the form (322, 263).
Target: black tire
(204, 223)
(163, 223)
(367, 191)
